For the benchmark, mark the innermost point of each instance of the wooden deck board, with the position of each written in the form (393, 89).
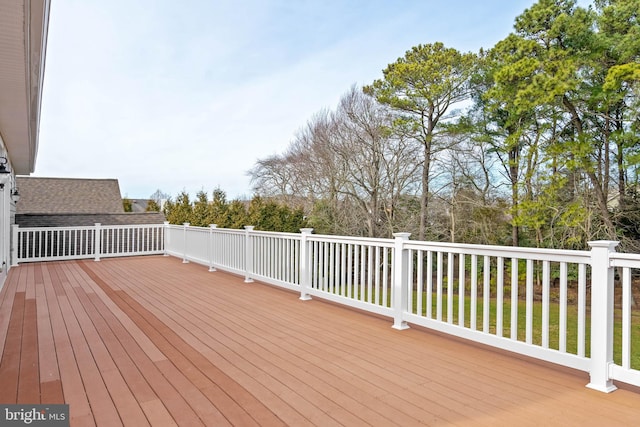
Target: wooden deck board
(152, 341)
(10, 362)
(370, 415)
(298, 377)
(48, 359)
(29, 379)
(70, 378)
(101, 403)
(7, 294)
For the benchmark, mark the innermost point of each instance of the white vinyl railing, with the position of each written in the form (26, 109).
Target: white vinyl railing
(573, 308)
(628, 265)
(502, 297)
(63, 243)
(351, 270)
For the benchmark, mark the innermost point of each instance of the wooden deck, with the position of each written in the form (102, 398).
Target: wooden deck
(152, 341)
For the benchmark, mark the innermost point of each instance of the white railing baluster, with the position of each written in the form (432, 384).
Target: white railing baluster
(473, 312)
(377, 276)
(385, 278)
(461, 289)
(316, 265)
(343, 270)
(350, 262)
(46, 243)
(486, 293)
(439, 288)
(499, 296)
(419, 280)
(546, 278)
(429, 285)
(514, 298)
(410, 279)
(325, 266)
(356, 271)
(626, 318)
(332, 267)
(450, 264)
(369, 274)
(363, 272)
(562, 337)
(529, 303)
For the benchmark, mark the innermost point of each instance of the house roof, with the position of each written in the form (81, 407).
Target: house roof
(23, 40)
(68, 196)
(139, 205)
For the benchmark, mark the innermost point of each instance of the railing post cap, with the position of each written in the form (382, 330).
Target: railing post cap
(97, 224)
(166, 222)
(611, 244)
(213, 225)
(306, 230)
(249, 227)
(402, 236)
(186, 224)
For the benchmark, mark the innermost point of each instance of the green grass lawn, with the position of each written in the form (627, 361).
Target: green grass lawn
(554, 324)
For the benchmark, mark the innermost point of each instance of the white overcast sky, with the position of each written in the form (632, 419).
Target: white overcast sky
(187, 95)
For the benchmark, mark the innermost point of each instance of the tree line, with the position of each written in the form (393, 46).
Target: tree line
(533, 142)
(263, 214)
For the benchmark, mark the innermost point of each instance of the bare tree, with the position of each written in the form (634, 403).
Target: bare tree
(347, 168)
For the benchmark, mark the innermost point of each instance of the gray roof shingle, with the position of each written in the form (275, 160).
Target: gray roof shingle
(68, 196)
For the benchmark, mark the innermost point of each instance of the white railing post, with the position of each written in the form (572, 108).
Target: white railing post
(601, 315)
(166, 238)
(14, 245)
(248, 253)
(211, 228)
(96, 241)
(305, 264)
(400, 296)
(185, 225)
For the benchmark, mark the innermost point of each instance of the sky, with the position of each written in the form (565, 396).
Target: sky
(188, 95)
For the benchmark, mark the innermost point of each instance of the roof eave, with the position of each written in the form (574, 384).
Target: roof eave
(22, 145)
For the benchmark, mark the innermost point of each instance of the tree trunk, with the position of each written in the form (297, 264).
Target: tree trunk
(600, 192)
(424, 199)
(622, 179)
(601, 200)
(453, 222)
(513, 177)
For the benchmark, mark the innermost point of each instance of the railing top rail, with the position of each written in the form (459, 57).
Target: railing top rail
(274, 234)
(179, 226)
(624, 256)
(206, 229)
(31, 229)
(133, 226)
(560, 255)
(625, 260)
(373, 241)
(89, 227)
